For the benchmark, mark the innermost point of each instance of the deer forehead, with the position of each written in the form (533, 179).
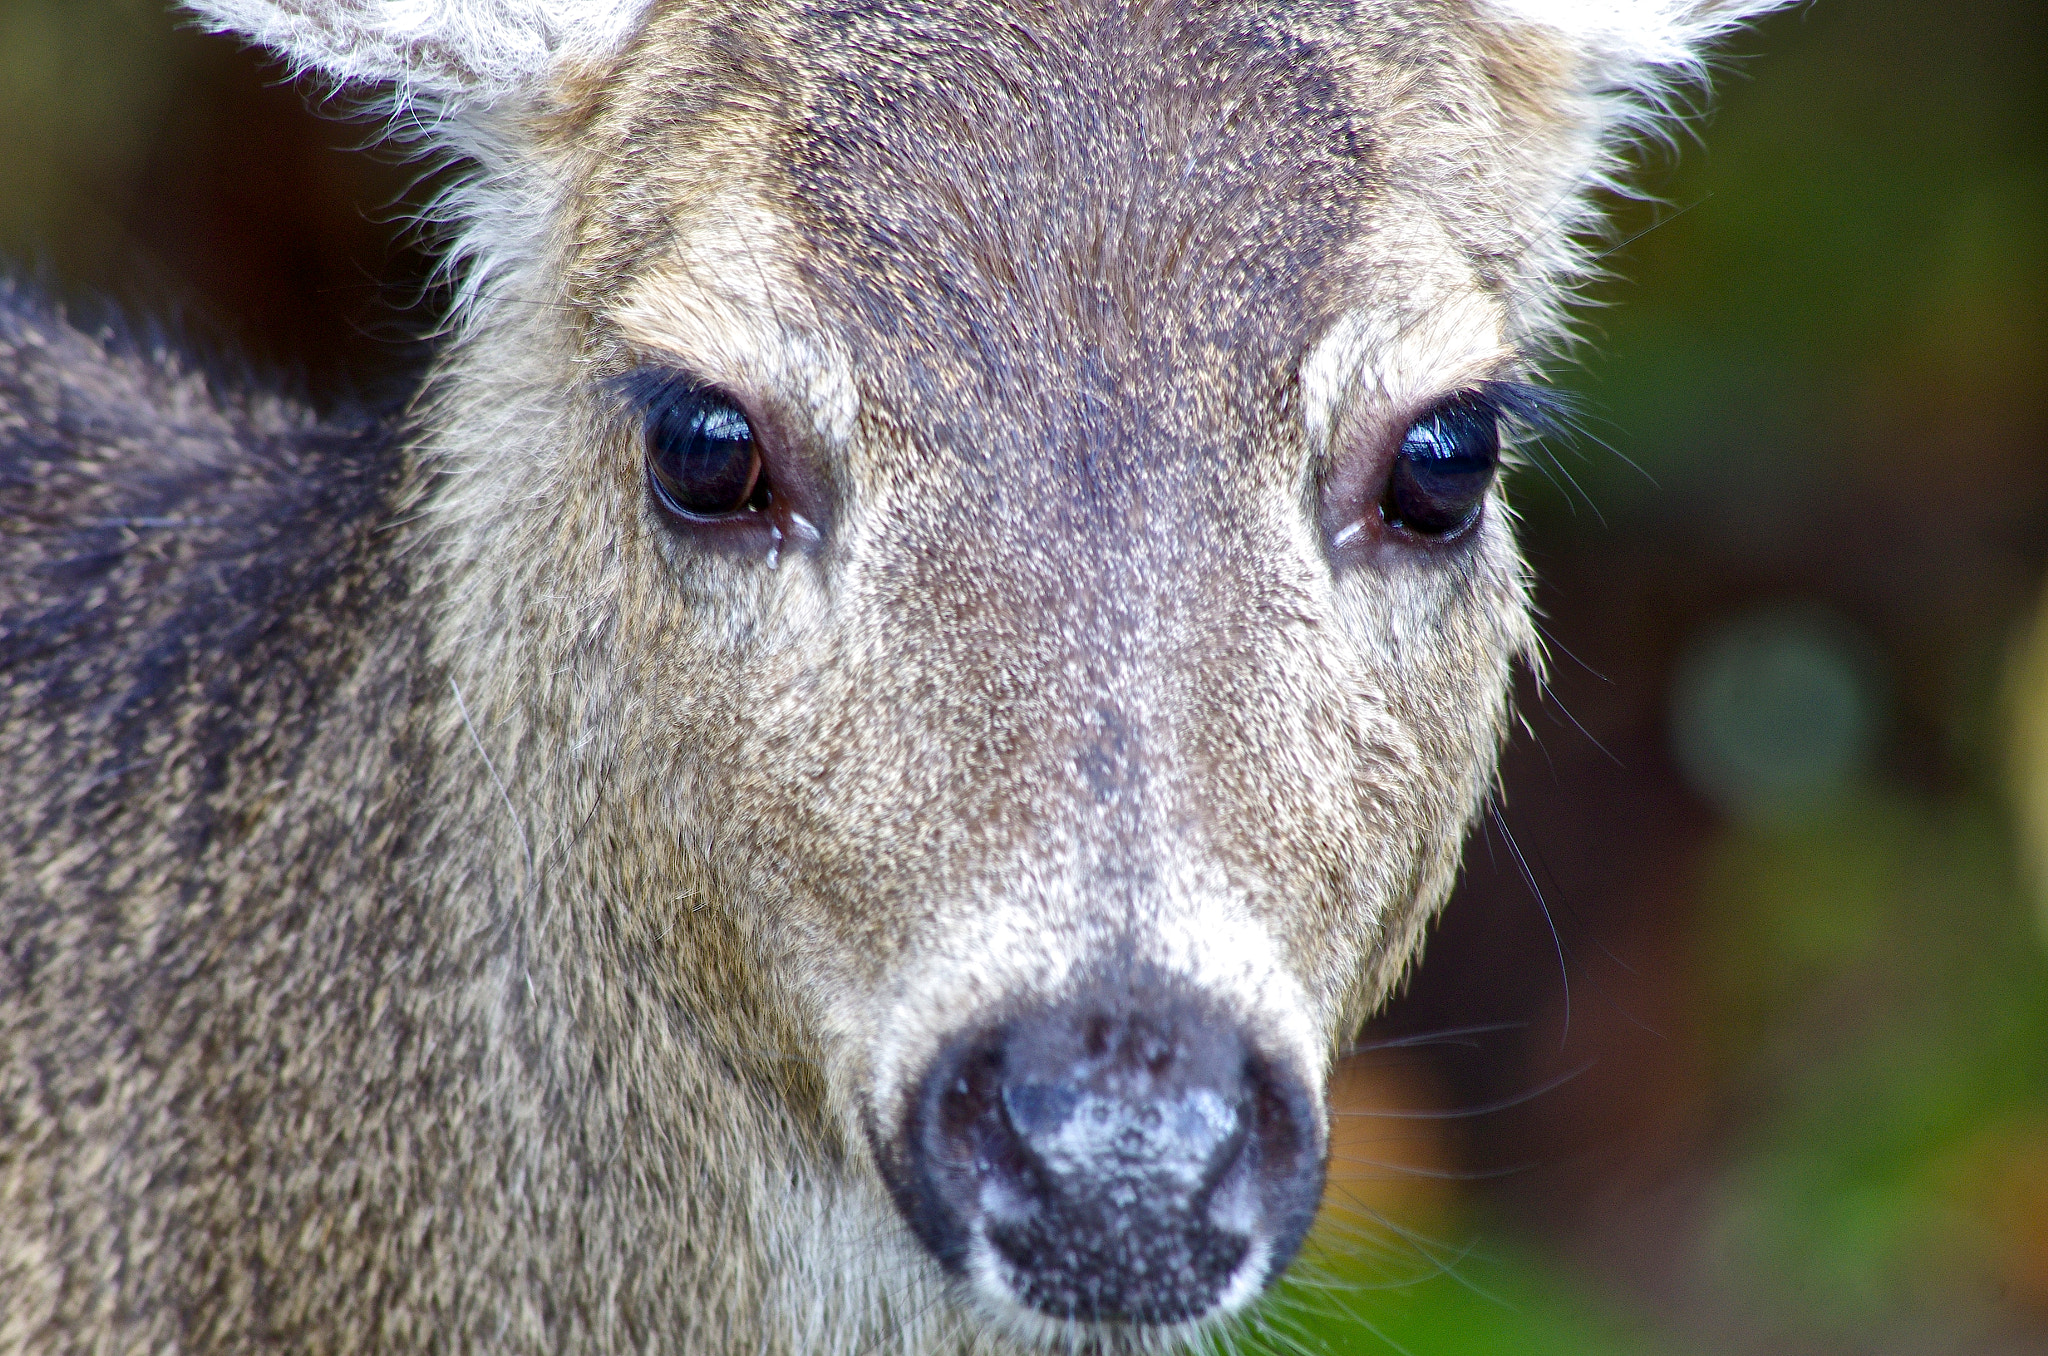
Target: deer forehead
(729, 308)
(962, 200)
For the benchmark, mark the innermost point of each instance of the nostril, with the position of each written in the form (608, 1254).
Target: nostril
(1281, 1117)
(1096, 1040)
(976, 1084)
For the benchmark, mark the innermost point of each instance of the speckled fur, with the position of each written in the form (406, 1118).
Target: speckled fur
(446, 911)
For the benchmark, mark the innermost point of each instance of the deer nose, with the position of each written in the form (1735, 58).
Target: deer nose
(1113, 1159)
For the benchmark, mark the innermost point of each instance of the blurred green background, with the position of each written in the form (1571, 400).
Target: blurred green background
(1735, 1038)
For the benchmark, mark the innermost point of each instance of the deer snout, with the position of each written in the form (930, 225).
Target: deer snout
(1112, 1159)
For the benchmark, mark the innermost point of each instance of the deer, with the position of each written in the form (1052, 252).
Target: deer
(835, 781)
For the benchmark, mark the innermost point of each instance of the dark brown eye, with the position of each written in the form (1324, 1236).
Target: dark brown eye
(1447, 461)
(701, 455)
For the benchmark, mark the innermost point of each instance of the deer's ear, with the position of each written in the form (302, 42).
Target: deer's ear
(438, 49)
(1633, 43)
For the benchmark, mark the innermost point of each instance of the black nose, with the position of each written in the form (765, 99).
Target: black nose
(1118, 1158)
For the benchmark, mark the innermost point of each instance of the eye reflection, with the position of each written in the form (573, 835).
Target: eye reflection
(702, 457)
(1446, 464)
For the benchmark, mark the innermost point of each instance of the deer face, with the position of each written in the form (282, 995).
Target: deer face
(1000, 508)
(1059, 459)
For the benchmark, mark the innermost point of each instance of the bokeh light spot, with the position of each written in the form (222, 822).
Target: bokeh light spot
(1775, 712)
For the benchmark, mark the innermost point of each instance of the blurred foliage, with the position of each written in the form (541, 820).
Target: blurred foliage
(177, 175)
(2026, 710)
(1847, 271)
(1498, 1302)
(83, 88)
(1880, 1001)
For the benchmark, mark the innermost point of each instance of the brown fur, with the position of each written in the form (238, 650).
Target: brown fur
(446, 910)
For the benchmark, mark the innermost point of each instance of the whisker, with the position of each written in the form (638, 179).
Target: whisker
(1529, 877)
(1484, 1108)
(1449, 1036)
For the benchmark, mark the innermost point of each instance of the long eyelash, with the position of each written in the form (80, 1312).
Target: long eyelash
(1531, 410)
(640, 396)
(1538, 420)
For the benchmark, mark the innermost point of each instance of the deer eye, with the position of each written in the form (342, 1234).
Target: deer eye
(701, 454)
(1447, 460)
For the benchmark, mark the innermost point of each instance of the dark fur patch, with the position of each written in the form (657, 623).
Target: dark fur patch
(172, 580)
(191, 574)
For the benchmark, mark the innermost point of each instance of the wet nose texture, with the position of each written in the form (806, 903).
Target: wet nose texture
(1114, 1159)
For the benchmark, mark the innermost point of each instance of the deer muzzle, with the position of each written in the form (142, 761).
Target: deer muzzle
(1125, 1155)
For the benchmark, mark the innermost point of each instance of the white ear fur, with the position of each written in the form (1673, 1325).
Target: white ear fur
(437, 50)
(1635, 44)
